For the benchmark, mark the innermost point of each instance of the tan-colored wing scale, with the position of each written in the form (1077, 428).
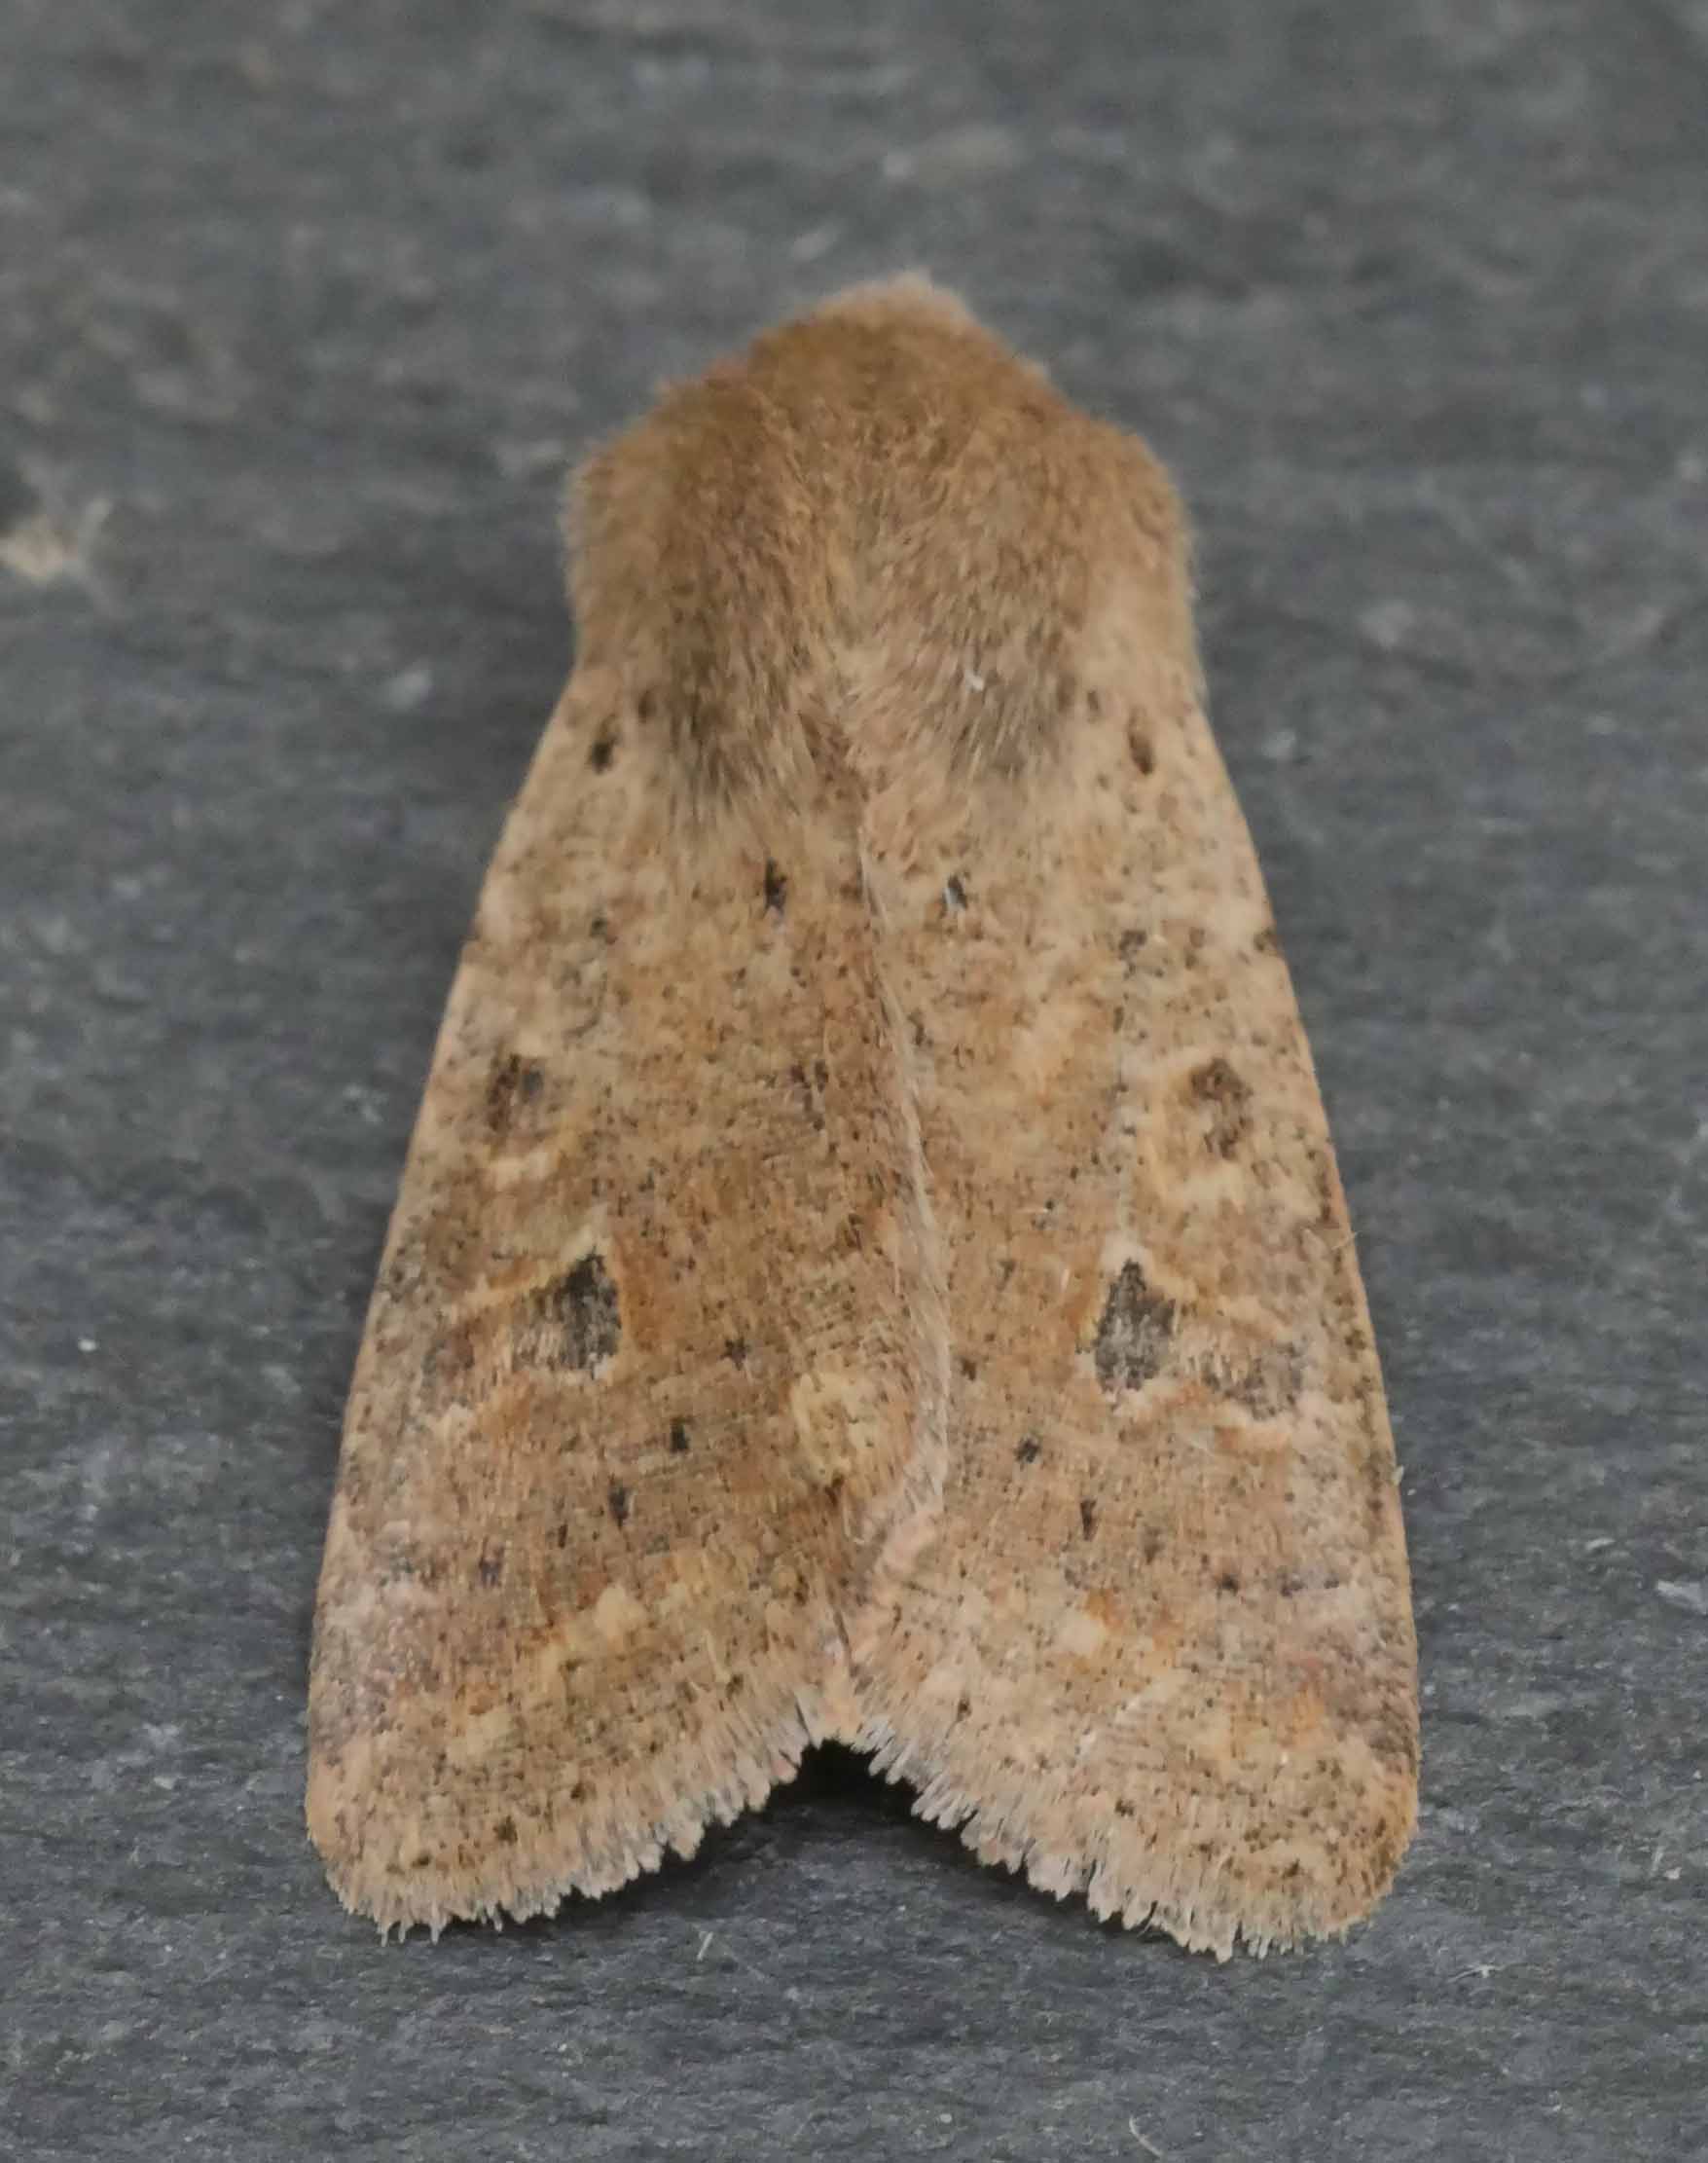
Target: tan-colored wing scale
(1160, 1647)
(640, 1384)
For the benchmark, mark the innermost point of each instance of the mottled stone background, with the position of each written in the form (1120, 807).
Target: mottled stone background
(302, 310)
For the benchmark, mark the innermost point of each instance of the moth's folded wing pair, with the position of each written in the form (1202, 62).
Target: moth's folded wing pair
(696, 1420)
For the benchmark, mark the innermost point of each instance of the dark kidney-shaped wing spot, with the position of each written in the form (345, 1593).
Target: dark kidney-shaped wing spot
(954, 895)
(605, 750)
(1087, 1515)
(1141, 749)
(513, 1082)
(776, 889)
(1133, 1337)
(1226, 1097)
(580, 1323)
(1030, 1449)
(678, 1437)
(618, 1498)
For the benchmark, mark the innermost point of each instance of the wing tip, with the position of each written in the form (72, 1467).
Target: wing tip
(405, 1855)
(1211, 1895)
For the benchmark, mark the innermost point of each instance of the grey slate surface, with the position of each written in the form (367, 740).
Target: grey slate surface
(302, 311)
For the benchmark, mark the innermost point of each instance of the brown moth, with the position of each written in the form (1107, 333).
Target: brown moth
(871, 1263)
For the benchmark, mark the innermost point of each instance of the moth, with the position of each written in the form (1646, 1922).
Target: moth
(871, 1265)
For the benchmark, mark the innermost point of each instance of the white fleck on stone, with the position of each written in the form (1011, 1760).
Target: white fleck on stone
(817, 240)
(409, 688)
(1388, 624)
